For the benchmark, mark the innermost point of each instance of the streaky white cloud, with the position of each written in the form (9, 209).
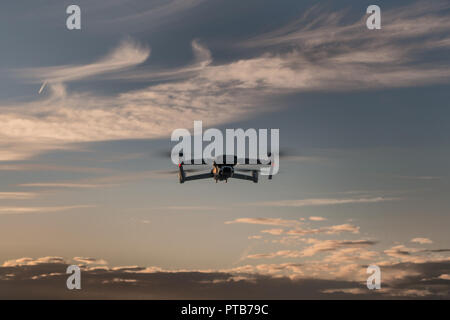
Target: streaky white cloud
(195, 208)
(330, 245)
(126, 55)
(351, 59)
(51, 167)
(316, 247)
(17, 195)
(334, 55)
(336, 229)
(314, 218)
(274, 232)
(411, 279)
(152, 14)
(32, 262)
(324, 201)
(294, 227)
(281, 253)
(90, 261)
(64, 185)
(266, 221)
(203, 58)
(25, 210)
(422, 240)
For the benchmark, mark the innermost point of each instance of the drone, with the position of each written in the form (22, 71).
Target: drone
(222, 170)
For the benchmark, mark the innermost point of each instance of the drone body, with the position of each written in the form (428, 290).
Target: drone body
(221, 171)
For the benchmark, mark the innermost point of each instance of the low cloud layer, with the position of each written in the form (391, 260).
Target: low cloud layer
(45, 278)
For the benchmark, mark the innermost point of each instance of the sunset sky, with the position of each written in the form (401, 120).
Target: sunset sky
(364, 116)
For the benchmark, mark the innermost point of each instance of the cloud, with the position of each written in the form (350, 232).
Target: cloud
(294, 227)
(87, 260)
(25, 210)
(64, 185)
(203, 58)
(422, 240)
(353, 58)
(274, 232)
(324, 202)
(336, 229)
(316, 247)
(265, 221)
(63, 118)
(45, 278)
(336, 258)
(17, 195)
(404, 254)
(330, 245)
(32, 262)
(144, 16)
(345, 255)
(126, 55)
(281, 253)
(196, 208)
(401, 252)
(317, 218)
(50, 167)
(399, 43)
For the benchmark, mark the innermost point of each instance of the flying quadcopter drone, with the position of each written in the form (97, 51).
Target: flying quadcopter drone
(222, 170)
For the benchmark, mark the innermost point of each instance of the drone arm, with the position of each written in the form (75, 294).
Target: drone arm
(199, 176)
(243, 177)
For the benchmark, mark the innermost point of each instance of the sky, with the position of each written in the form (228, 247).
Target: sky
(363, 117)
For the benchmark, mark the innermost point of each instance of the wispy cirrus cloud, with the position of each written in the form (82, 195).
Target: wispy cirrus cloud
(353, 59)
(324, 201)
(64, 185)
(295, 227)
(25, 210)
(315, 218)
(17, 195)
(336, 229)
(203, 59)
(62, 118)
(266, 221)
(298, 231)
(126, 55)
(50, 167)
